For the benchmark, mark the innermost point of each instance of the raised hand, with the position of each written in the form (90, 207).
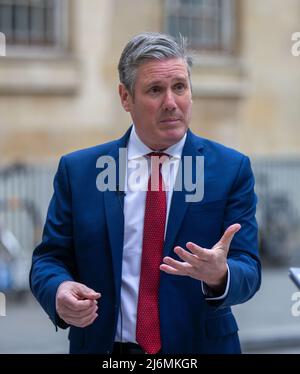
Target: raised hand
(207, 265)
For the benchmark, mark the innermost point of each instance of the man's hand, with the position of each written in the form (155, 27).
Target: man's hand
(76, 304)
(207, 265)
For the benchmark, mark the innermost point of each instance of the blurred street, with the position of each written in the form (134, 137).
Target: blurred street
(27, 329)
(266, 323)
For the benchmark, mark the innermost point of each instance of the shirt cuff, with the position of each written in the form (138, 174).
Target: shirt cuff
(208, 294)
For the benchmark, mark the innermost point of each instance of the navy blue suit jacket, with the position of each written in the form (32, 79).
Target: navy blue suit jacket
(83, 241)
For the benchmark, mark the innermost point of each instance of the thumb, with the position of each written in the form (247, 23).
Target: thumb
(88, 293)
(228, 235)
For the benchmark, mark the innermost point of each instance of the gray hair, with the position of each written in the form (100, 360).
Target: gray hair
(149, 46)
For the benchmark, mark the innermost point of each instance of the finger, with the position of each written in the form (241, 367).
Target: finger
(85, 292)
(77, 305)
(228, 235)
(203, 254)
(70, 313)
(168, 269)
(86, 321)
(182, 268)
(82, 322)
(186, 256)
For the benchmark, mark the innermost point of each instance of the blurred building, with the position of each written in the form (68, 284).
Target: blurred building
(59, 92)
(59, 83)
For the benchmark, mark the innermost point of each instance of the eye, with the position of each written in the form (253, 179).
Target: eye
(154, 90)
(180, 87)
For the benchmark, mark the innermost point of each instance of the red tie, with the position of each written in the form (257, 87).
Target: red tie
(148, 326)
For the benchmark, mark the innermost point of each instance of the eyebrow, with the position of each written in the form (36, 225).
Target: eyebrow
(158, 82)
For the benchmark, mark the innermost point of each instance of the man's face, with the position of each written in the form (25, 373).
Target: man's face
(162, 102)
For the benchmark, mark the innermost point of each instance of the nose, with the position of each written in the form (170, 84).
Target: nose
(169, 102)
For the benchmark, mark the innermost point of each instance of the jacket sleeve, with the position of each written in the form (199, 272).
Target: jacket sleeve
(243, 258)
(53, 259)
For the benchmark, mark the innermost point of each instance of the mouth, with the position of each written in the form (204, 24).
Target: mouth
(171, 120)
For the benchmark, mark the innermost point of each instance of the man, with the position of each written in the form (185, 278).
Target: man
(150, 270)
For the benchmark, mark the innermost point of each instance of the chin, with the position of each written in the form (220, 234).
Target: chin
(174, 135)
(170, 140)
(164, 139)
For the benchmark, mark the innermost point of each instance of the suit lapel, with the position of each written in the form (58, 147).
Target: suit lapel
(114, 203)
(192, 147)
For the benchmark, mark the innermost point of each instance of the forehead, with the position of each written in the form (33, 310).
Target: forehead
(158, 70)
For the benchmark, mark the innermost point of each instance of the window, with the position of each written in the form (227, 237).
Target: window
(209, 25)
(39, 58)
(33, 23)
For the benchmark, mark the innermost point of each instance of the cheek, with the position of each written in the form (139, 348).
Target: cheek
(151, 112)
(187, 107)
(147, 108)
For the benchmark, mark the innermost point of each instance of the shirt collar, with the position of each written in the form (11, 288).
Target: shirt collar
(136, 148)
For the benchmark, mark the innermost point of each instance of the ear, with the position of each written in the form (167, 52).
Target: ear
(125, 97)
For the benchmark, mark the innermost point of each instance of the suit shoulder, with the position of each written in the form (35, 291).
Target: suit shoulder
(90, 152)
(221, 150)
(84, 160)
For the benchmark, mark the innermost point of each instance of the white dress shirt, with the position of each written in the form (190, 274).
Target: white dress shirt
(134, 211)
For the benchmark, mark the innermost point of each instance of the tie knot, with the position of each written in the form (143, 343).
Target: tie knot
(157, 159)
(158, 154)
